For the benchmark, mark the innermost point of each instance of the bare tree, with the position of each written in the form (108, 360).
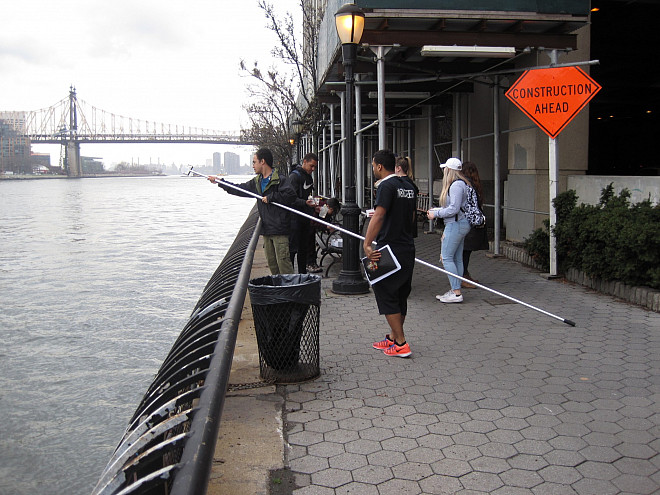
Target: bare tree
(280, 97)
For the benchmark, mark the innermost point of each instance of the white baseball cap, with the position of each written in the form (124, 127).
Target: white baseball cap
(453, 163)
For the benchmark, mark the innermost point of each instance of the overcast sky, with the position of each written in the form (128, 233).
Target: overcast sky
(165, 61)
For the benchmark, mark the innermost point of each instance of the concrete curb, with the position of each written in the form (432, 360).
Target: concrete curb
(641, 296)
(250, 442)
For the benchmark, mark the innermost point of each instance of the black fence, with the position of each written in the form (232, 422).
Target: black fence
(170, 440)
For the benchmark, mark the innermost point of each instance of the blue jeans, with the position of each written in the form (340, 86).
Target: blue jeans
(452, 249)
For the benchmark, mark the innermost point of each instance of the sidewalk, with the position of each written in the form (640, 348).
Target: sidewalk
(496, 398)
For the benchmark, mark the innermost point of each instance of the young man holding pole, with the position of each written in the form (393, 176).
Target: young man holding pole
(275, 222)
(392, 224)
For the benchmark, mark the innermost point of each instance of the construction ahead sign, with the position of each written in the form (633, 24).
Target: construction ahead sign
(552, 97)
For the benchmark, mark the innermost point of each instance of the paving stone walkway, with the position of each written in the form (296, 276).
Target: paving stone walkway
(496, 398)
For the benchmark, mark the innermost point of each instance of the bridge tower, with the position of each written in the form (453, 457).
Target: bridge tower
(73, 162)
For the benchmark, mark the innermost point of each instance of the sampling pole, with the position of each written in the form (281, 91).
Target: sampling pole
(358, 236)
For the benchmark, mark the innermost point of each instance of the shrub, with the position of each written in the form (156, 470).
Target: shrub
(612, 240)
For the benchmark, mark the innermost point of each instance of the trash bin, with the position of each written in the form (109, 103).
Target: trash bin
(286, 311)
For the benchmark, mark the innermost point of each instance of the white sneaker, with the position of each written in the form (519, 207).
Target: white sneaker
(450, 297)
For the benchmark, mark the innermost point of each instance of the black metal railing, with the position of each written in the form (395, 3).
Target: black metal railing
(168, 446)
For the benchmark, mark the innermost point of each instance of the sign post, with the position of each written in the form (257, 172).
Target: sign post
(552, 98)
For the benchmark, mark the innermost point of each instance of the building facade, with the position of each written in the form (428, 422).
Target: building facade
(232, 163)
(444, 97)
(14, 146)
(217, 163)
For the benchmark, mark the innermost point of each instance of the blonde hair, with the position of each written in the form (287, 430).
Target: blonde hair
(450, 175)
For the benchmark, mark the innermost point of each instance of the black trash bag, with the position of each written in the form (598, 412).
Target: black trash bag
(273, 289)
(280, 304)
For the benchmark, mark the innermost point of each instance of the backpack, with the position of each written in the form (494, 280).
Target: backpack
(472, 211)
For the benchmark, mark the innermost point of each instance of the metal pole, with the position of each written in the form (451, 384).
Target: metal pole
(553, 174)
(350, 279)
(393, 147)
(552, 158)
(324, 167)
(430, 162)
(458, 127)
(333, 153)
(358, 145)
(343, 117)
(497, 220)
(382, 130)
(372, 196)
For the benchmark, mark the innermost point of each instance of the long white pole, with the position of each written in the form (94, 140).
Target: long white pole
(358, 236)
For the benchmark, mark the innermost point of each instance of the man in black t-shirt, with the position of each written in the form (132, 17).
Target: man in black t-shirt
(392, 224)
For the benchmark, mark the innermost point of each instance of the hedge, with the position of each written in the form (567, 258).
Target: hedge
(613, 240)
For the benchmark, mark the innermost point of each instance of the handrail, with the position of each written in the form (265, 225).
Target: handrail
(168, 446)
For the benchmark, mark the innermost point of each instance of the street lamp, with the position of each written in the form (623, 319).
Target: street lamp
(349, 20)
(292, 156)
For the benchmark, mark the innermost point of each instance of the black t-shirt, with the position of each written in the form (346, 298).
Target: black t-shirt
(399, 198)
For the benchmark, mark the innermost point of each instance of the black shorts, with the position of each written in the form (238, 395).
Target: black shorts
(392, 292)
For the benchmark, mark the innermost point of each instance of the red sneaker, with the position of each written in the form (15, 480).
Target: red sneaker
(383, 344)
(398, 350)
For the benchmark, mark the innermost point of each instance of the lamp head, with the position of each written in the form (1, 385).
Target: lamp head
(349, 20)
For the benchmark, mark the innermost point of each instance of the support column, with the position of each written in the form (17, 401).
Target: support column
(380, 52)
(382, 129)
(72, 145)
(430, 163)
(358, 145)
(333, 153)
(458, 128)
(497, 217)
(73, 158)
(324, 167)
(342, 127)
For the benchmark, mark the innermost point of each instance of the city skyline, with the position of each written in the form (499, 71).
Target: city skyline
(152, 60)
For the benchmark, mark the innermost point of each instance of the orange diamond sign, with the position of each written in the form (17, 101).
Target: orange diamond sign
(552, 97)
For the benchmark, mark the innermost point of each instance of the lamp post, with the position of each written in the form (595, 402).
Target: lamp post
(349, 21)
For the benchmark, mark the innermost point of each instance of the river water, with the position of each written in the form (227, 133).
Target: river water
(97, 279)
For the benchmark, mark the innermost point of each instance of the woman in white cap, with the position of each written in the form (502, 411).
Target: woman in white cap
(452, 201)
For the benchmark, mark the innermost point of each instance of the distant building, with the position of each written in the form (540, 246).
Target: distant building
(91, 165)
(232, 163)
(217, 163)
(40, 163)
(14, 146)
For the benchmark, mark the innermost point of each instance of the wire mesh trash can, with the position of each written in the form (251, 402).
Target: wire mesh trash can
(286, 311)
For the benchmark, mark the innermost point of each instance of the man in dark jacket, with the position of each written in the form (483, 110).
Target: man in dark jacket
(275, 221)
(303, 183)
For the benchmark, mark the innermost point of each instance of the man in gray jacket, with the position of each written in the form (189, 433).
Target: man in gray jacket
(275, 221)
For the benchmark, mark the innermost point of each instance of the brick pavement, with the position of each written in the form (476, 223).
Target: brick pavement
(496, 398)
